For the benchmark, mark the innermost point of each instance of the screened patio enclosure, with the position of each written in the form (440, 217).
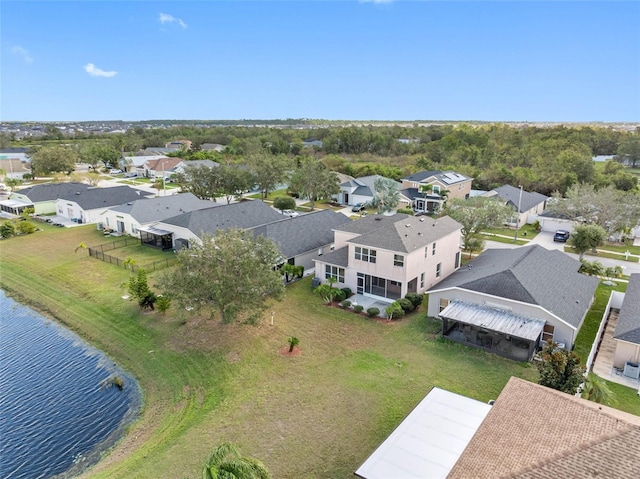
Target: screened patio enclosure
(156, 238)
(499, 331)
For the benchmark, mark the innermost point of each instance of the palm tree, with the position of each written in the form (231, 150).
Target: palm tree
(293, 342)
(597, 390)
(227, 462)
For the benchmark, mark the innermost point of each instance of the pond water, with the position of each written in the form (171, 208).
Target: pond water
(59, 408)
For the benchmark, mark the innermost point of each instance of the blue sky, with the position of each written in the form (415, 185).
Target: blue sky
(358, 60)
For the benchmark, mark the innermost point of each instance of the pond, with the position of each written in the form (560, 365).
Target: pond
(61, 405)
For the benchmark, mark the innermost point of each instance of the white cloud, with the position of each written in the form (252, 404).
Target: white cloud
(94, 71)
(17, 50)
(166, 18)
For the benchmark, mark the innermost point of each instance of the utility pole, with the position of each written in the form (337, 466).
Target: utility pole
(515, 238)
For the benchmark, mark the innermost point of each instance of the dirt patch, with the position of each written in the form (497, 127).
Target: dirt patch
(284, 351)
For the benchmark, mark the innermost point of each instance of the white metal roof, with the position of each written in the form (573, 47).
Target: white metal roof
(494, 319)
(429, 441)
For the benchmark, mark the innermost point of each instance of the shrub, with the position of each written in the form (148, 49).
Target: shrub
(163, 303)
(373, 312)
(25, 227)
(395, 310)
(340, 295)
(406, 305)
(7, 229)
(415, 298)
(284, 203)
(347, 291)
(345, 304)
(299, 271)
(406, 211)
(358, 308)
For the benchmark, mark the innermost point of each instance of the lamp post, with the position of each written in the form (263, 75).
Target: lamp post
(515, 238)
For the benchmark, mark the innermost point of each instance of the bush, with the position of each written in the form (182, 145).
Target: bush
(345, 304)
(7, 229)
(358, 308)
(25, 227)
(415, 298)
(406, 211)
(284, 203)
(340, 295)
(406, 305)
(373, 312)
(347, 291)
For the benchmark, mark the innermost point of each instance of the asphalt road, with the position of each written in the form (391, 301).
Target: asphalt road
(545, 239)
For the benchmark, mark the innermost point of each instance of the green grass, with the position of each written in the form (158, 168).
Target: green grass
(620, 248)
(500, 239)
(530, 231)
(602, 254)
(271, 196)
(205, 383)
(587, 334)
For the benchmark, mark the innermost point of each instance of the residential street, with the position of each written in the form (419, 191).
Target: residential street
(545, 239)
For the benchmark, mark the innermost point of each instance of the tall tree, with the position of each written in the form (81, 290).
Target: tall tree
(201, 180)
(559, 369)
(586, 237)
(475, 214)
(313, 180)
(202, 276)
(629, 150)
(387, 194)
(98, 152)
(609, 208)
(269, 170)
(227, 462)
(53, 159)
(234, 180)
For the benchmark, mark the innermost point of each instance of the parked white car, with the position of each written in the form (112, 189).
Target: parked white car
(115, 172)
(290, 213)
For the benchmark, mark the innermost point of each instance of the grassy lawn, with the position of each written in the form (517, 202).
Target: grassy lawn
(603, 254)
(271, 196)
(319, 414)
(525, 231)
(501, 239)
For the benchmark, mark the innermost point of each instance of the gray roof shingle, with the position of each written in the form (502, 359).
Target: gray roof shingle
(162, 207)
(52, 191)
(304, 233)
(93, 198)
(628, 327)
(531, 274)
(511, 194)
(243, 215)
(403, 233)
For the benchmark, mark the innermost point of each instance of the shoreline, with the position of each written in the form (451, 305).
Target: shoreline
(85, 462)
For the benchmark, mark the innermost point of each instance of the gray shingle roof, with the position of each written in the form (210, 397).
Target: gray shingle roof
(339, 257)
(93, 198)
(628, 327)
(444, 177)
(423, 175)
(304, 233)
(406, 233)
(162, 207)
(511, 194)
(52, 191)
(244, 215)
(531, 274)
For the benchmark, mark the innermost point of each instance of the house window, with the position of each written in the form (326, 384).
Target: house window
(547, 332)
(438, 270)
(436, 189)
(443, 304)
(426, 251)
(433, 249)
(365, 254)
(398, 260)
(422, 280)
(457, 259)
(134, 230)
(334, 272)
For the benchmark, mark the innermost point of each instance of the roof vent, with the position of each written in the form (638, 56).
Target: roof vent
(77, 192)
(421, 220)
(407, 225)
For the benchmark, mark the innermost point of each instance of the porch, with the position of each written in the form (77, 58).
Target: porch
(495, 330)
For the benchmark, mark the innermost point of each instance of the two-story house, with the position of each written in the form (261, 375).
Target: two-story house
(386, 257)
(427, 191)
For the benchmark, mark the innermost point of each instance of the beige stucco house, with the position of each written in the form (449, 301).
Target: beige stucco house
(386, 257)
(427, 191)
